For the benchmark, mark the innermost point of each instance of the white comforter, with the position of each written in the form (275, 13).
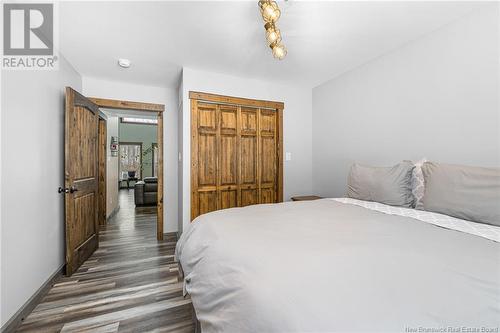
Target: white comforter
(325, 266)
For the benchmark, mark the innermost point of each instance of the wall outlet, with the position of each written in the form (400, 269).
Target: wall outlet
(288, 156)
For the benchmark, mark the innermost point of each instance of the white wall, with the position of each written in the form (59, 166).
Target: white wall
(32, 162)
(296, 125)
(437, 97)
(180, 159)
(93, 87)
(112, 173)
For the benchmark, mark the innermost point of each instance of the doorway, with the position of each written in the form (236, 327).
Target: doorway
(144, 113)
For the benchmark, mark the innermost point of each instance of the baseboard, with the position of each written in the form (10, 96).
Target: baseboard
(12, 324)
(168, 234)
(113, 213)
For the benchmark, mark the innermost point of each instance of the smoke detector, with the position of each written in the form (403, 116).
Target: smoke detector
(124, 63)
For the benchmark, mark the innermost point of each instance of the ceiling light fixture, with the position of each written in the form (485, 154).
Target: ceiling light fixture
(279, 51)
(124, 63)
(270, 14)
(269, 10)
(273, 34)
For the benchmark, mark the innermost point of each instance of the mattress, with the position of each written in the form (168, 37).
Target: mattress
(336, 265)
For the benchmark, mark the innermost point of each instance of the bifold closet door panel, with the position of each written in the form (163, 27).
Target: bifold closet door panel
(205, 138)
(249, 191)
(268, 156)
(227, 187)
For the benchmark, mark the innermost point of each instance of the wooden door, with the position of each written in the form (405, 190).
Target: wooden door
(249, 187)
(268, 144)
(227, 171)
(81, 179)
(204, 180)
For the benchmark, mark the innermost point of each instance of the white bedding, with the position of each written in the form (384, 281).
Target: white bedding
(333, 266)
(479, 229)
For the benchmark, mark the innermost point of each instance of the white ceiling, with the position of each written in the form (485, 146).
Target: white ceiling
(324, 39)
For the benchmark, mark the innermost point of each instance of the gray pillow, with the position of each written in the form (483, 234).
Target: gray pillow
(468, 193)
(391, 185)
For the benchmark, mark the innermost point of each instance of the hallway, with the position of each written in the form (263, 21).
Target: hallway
(130, 284)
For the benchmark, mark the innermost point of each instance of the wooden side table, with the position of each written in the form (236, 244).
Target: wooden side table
(306, 198)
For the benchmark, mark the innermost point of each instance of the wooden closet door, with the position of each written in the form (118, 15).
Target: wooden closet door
(236, 153)
(204, 177)
(249, 188)
(268, 141)
(227, 138)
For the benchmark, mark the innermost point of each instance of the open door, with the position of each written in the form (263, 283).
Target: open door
(81, 179)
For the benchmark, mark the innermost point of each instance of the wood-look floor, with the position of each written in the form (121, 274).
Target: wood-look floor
(130, 284)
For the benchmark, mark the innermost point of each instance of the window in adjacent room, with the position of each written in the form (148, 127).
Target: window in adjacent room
(130, 159)
(146, 121)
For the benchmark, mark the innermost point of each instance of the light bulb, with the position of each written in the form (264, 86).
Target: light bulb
(273, 35)
(279, 51)
(270, 11)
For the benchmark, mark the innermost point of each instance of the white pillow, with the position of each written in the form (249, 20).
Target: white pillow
(417, 184)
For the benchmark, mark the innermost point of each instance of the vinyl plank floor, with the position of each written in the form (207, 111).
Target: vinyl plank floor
(130, 284)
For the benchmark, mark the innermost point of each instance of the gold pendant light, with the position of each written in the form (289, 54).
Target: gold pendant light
(270, 14)
(273, 34)
(269, 10)
(279, 51)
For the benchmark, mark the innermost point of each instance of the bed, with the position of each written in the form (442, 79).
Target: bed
(340, 265)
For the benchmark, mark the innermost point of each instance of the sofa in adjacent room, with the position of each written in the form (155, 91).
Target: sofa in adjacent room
(146, 192)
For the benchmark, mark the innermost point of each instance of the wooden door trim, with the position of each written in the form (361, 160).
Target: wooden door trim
(102, 188)
(159, 204)
(146, 107)
(127, 105)
(235, 100)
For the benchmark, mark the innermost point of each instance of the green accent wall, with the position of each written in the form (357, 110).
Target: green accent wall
(140, 133)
